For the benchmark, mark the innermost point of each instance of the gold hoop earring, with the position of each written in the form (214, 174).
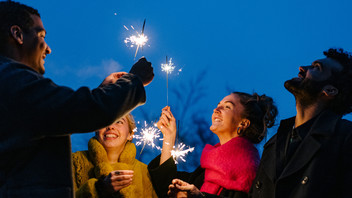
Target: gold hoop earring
(239, 132)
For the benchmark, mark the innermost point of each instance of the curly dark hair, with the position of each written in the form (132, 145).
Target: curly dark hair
(342, 103)
(260, 111)
(14, 13)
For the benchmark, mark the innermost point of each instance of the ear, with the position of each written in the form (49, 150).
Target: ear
(244, 124)
(330, 91)
(17, 34)
(130, 137)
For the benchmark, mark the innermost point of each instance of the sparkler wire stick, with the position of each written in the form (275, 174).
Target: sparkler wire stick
(168, 67)
(167, 86)
(135, 54)
(138, 40)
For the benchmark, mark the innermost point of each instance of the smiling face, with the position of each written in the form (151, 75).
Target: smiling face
(34, 45)
(311, 80)
(115, 135)
(226, 116)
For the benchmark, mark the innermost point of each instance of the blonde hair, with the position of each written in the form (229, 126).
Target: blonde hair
(131, 123)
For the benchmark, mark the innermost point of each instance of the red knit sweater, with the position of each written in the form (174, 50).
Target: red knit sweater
(232, 166)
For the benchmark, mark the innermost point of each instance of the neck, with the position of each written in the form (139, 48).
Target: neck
(114, 154)
(227, 137)
(305, 113)
(11, 50)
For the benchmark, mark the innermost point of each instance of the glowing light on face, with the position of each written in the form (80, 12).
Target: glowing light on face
(147, 136)
(179, 152)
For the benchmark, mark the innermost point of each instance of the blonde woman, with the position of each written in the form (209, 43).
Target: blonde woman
(109, 167)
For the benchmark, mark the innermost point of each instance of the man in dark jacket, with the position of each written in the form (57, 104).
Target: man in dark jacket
(37, 116)
(311, 154)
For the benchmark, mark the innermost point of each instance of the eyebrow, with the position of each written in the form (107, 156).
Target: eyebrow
(318, 62)
(228, 102)
(121, 119)
(39, 29)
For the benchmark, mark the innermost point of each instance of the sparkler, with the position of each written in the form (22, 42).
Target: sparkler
(168, 67)
(147, 136)
(179, 152)
(138, 40)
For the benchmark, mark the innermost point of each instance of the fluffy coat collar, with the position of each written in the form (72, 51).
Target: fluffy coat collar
(126, 161)
(232, 166)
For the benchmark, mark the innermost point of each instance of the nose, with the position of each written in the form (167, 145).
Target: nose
(303, 68)
(217, 110)
(111, 127)
(48, 49)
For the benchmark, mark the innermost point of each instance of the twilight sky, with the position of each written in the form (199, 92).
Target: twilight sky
(221, 46)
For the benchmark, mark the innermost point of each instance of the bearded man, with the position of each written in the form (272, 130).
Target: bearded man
(311, 154)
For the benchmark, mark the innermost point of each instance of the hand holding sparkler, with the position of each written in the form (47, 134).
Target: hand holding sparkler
(112, 78)
(167, 125)
(144, 70)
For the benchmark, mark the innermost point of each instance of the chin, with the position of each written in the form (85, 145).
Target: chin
(292, 85)
(213, 129)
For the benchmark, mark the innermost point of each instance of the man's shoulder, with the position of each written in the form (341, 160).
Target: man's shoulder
(10, 66)
(345, 126)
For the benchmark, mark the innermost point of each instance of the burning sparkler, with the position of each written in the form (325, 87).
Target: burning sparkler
(147, 136)
(179, 152)
(138, 40)
(168, 67)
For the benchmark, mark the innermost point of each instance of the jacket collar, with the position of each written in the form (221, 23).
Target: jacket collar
(324, 125)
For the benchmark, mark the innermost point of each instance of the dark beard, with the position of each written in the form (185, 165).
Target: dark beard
(305, 91)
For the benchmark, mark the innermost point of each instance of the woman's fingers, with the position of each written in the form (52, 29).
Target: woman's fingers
(122, 172)
(121, 178)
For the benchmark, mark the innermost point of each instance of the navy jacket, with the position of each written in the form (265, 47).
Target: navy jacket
(319, 168)
(36, 120)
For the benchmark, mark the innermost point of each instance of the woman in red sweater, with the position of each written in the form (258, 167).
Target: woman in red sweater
(226, 169)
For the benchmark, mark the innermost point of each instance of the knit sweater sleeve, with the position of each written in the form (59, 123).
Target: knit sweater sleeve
(84, 187)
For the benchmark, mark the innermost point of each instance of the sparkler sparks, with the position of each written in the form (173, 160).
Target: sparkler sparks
(168, 67)
(147, 136)
(138, 40)
(179, 152)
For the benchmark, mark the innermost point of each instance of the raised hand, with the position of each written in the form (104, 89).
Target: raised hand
(144, 70)
(167, 125)
(112, 78)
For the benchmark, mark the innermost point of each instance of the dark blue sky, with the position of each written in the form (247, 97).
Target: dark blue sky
(236, 45)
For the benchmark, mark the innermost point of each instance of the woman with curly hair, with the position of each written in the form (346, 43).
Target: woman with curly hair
(226, 169)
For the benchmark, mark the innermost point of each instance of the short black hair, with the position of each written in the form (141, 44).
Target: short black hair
(342, 103)
(14, 13)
